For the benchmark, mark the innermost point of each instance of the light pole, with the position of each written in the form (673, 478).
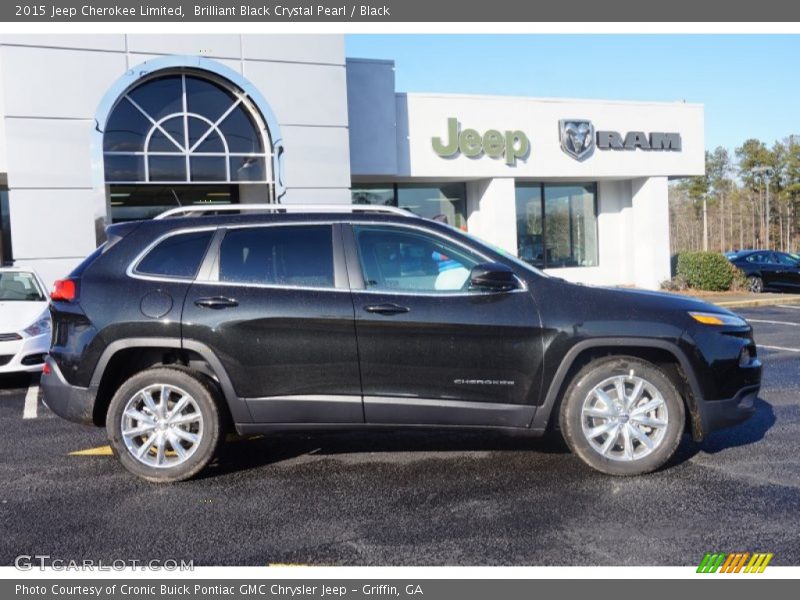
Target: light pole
(765, 171)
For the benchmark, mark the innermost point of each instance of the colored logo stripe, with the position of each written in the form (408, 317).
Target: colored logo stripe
(733, 563)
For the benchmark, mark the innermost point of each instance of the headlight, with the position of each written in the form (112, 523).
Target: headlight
(718, 319)
(39, 327)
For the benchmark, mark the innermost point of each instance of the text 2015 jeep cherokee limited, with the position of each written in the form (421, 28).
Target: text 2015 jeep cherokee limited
(288, 317)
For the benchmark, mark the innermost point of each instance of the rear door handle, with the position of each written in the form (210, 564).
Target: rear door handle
(387, 308)
(216, 302)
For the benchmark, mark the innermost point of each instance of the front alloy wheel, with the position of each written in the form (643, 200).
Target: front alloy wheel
(624, 418)
(164, 423)
(622, 415)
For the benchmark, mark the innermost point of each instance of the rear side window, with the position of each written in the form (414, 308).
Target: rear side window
(760, 258)
(176, 256)
(291, 256)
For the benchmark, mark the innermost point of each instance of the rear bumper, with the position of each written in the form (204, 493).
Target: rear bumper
(67, 401)
(718, 414)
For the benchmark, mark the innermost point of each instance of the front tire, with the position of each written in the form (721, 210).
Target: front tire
(622, 416)
(164, 424)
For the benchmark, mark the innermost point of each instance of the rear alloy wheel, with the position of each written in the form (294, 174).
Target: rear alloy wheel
(164, 424)
(755, 284)
(622, 416)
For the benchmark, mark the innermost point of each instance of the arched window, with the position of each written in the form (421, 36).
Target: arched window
(182, 128)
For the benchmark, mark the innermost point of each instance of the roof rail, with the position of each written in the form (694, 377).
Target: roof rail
(295, 208)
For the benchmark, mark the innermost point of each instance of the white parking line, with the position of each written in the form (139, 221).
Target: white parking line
(792, 306)
(779, 348)
(789, 323)
(31, 403)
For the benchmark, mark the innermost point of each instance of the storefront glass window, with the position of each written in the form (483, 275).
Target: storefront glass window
(445, 201)
(373, 194)
(134, 202)
(557, 224)
(433, 201)
(530, 241)
(5, 230)
(181, 128)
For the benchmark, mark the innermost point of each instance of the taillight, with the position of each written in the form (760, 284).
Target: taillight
(46, 369)
(64, 290)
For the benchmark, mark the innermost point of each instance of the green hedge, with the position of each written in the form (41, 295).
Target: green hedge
(706, 271)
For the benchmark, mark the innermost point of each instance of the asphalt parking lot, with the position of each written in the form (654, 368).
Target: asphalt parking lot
(412, 498)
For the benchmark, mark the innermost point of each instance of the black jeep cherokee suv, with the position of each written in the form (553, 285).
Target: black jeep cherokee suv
(179, 328)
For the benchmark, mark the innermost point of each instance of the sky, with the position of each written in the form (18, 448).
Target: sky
(749, 84)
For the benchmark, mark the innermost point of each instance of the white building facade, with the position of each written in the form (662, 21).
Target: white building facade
(577, 187)
(108, 128)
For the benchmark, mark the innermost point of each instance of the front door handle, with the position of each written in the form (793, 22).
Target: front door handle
(216, 302)
(387, 308)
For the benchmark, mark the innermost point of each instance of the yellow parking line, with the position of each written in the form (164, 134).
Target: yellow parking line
(106, 450)
(99, 451)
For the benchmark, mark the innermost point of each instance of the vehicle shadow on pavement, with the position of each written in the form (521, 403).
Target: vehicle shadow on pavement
(259, 451)
(743, 434)
(15, 381)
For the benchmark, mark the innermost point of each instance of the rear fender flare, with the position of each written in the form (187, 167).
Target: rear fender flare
(237, 406)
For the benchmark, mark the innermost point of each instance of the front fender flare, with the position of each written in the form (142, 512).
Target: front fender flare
(541, 417)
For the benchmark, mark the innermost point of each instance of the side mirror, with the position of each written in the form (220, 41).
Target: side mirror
(494, 277)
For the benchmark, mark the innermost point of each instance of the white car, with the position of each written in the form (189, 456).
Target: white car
(24, 321)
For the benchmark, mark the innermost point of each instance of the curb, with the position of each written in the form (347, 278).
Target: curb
(755, 302)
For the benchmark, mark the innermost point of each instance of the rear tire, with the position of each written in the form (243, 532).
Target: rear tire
(622, 416)
(164, 424)
(755, 284)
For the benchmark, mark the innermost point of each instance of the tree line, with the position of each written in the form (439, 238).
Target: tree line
(746, 201)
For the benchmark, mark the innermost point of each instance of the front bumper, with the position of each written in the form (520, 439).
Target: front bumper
(24, 355)
(67, 401)
(718, 414)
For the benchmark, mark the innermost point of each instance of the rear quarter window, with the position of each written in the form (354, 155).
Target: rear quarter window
(177, 256)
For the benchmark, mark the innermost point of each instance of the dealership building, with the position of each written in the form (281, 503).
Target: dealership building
(98, 129)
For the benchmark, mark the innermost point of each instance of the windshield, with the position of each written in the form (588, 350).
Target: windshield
(19, 286)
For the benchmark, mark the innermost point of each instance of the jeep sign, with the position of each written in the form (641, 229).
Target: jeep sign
(512, 145)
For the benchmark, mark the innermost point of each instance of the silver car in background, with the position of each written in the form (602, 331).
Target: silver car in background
(24, 321)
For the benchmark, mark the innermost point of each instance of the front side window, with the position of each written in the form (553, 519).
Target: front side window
(177, 256)
(394, 259)
(557, 224)
(20, 286)
(786, 260)
(295, 256)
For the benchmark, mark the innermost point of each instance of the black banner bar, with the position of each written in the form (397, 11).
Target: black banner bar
(336, 11)
(731, 588)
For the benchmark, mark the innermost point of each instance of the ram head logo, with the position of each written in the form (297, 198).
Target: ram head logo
(577, 137)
